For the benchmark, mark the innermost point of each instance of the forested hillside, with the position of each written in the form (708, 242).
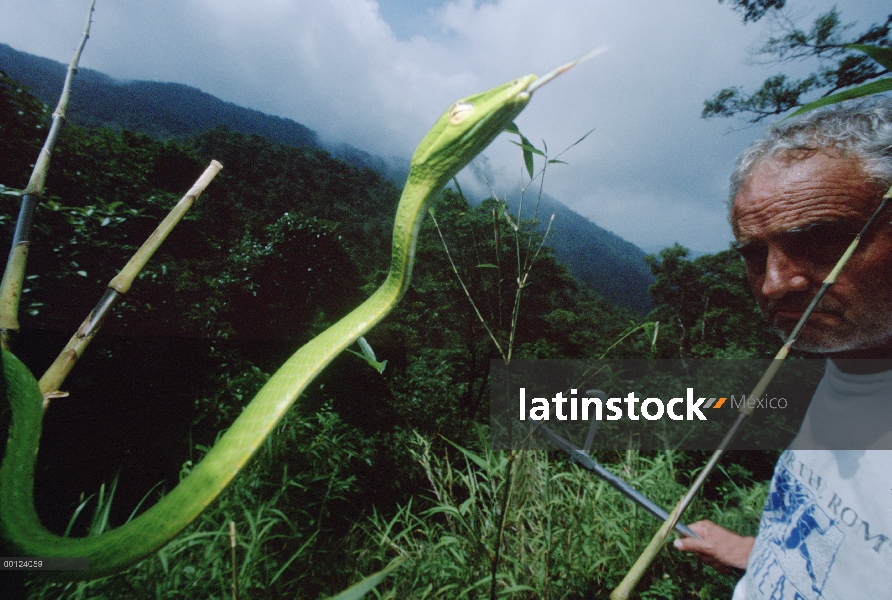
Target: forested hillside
(163, 110)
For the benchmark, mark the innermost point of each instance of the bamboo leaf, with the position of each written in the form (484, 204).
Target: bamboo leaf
(516, 588)
(874, 87)
(474, 457)
(527, 146)
(528, 151)
(369, 583)
(580, 139)
(446, 540)
(443, 508)
(879, 53)
(368, 355)
(528, 159)
(486, 266)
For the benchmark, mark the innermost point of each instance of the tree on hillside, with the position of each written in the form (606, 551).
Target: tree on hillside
(838, 67)
(704, 305)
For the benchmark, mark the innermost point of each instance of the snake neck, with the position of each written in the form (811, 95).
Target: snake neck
(416, 198)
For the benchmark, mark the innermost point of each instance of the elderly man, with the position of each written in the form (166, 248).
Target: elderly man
(798, 197)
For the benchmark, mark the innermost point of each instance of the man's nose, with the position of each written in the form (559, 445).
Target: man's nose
(785, 274)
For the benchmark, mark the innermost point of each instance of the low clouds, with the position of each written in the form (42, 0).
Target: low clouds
(652, 171)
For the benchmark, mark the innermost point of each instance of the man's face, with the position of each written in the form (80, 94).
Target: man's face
(793, 219)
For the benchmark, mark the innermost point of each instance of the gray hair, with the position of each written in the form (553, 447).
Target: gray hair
(860, 129)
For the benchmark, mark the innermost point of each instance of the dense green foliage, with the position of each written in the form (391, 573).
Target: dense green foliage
(705, 308)
(284, 242)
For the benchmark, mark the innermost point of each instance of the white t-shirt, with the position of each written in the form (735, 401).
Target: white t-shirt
(826, 530)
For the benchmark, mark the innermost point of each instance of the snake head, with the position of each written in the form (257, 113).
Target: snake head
(469, 125)
(466, 128)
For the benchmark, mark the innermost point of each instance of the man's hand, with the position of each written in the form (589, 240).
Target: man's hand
(718, 547)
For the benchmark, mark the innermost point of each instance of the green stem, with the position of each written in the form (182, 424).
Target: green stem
(232, 546)
(120, 285)
(494, 564)
(463, 287)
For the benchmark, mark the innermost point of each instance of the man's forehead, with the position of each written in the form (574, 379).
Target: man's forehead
(783, 193)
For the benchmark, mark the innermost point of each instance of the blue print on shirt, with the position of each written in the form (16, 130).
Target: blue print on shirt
(798, 543)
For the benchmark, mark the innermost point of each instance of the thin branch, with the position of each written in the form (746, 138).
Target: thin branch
(462, 283)
(119, 285)
(14, 275)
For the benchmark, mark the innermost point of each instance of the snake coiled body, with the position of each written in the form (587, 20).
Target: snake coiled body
(455, 139)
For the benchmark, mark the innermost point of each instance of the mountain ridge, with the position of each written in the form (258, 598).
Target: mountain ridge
(598, 258)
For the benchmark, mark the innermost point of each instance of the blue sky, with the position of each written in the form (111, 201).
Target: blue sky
(377, 74)
(408, 18)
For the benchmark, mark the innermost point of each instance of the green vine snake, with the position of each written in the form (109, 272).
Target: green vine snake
(462, 132)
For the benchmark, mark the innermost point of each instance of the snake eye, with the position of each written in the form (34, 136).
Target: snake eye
(459, 112)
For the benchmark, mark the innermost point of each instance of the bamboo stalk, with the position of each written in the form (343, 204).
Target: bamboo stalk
(119, 285)
(14, 275)
(627, 585)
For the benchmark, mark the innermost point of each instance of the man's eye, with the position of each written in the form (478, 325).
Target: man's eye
(754, 253)
(821, 243)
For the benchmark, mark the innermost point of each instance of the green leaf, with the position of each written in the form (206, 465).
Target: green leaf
(528, 151)
(368, 355)
(526, 145)
(528, 148)
(368, 584)
(580, 139)
(446, 540)
(528, 160)
(474, 457)
(879, 53)
(486, 266)
(449, 510)
(555, 161)
(874, 87)
(516, 588)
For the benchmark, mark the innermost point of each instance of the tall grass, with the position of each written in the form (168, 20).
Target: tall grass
(290, 506)
(565, 534)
